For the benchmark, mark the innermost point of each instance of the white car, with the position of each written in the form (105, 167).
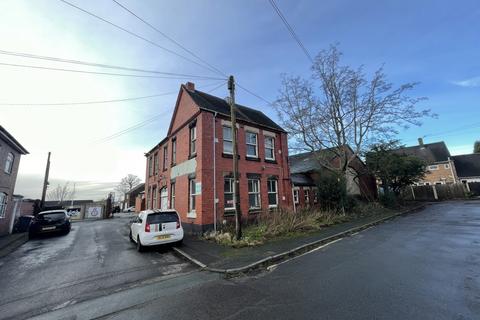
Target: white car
(154, 227)
(129, 209)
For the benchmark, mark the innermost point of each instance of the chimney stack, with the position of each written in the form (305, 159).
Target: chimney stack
(190, 86)
(420, 141)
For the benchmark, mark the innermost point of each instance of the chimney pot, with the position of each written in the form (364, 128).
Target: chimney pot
(190, 86)
(420, 141)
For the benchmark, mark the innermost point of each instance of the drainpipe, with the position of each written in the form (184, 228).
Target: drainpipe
(214, 174)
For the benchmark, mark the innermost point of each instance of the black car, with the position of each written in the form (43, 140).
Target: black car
(54, 221)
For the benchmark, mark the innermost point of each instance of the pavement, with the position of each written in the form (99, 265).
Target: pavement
(420, 266)
(11, 242)
(218, 257)
(94, 259)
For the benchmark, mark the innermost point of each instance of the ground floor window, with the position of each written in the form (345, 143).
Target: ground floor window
(306, 194)
(315, 195)
(3, 204)
(272, 193)
(228, 193)
(192, 195)
(172, 195)
(254, 194)
(295, 196)
(164, 198)
(154, 197)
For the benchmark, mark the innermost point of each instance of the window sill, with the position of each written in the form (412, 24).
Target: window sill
(254, 210)
(252, 159)
(229, 212)
(229, 155)
(271, 161)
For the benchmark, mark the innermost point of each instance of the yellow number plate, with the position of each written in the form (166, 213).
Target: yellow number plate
(163, 237)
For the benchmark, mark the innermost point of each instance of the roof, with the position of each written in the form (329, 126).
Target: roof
(66, 202)
(467, 165)
(300, 179)
(12, 142)
(215, 104)
(429, 152)
(308, 161)
(138, 187)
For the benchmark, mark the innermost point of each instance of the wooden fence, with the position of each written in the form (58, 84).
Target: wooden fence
(442, 191)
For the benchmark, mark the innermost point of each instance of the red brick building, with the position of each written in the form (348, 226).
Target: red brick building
(191, 169)
(10, 152)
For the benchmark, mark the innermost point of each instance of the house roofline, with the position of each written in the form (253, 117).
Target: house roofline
(12, 141)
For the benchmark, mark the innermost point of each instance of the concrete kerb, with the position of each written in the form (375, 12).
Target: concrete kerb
(265, 262)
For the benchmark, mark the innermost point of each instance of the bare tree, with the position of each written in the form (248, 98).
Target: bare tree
(60, 192)
(126, 184)
(341, 110)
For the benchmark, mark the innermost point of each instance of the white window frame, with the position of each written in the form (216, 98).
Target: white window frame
(254, 192)
(9, 163)
(154, 197)
(163, 198)
(150, 166)
(174, 151)
(193, 140)
(273, 182)
(269, 148)
(433, 167)
(172, 195)
(192, 201)
(3, 204)
(251, 144)
(225, 207)
(296, 195)
(155, 163)
(165, 158)
(306, 196)
(227, 140)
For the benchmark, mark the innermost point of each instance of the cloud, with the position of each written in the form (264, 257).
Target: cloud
(469, 83)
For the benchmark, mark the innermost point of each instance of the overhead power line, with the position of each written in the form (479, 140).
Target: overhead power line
(136, 35)
(169, 38)
(290, 30)
(94, 64)
(103, 73)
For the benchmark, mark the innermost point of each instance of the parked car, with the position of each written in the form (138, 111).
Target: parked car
(22, 224)
(130, 209)
(53, 221)
(155, 227)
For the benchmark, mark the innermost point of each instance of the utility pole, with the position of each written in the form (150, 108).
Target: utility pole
(236, 193)
(45, 182)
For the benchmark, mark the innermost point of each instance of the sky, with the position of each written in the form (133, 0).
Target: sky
(435, 43)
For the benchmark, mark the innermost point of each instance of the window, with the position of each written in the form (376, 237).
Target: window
(272, 193)
(172, 195)
(154, 197)
(164, 198)
(269, 148)
(315, 194)
(174, 151)
(446, 166)
(150, 167)
(228, 194)
(3, 204)
(295, 196)
(9, 163)
(193, 140)
(191, 197)
(165, 157)
(252, 140)
(227, 140)
(148, 198)
(438, 183)
(433, 167)
(306, 195)
(155, 163)
(254, 193)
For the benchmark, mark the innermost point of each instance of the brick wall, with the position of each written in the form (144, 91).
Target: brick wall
(444, 174)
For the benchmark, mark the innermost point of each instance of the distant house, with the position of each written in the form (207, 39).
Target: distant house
(10, 152)
(440, 166)
(305, 169)
(131, 196)
(467, 167)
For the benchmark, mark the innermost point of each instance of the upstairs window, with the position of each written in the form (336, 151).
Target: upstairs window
(155, 163)
(150, 166)
(252, 144)
(269, 148)
(227, 140)
(174, 151)
(193, 140)
(165, 157)
(9, 163)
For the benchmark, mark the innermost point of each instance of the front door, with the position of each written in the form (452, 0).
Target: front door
(164, 199)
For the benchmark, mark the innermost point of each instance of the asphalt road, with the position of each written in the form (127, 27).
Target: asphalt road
(422, 266)
(94, 260)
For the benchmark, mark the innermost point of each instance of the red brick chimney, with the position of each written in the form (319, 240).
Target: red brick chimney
(190, 86)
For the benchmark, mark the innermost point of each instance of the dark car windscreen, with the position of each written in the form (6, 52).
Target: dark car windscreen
(52, 216)
(163, 217)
